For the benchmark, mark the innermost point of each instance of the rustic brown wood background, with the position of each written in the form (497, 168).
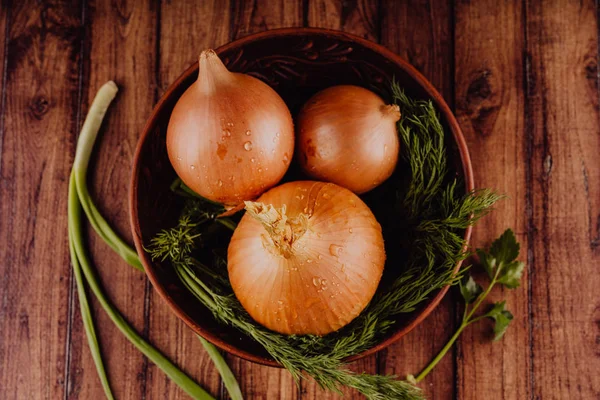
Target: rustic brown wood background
(522, 77)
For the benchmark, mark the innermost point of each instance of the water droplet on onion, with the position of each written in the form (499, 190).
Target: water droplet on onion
(335, 250)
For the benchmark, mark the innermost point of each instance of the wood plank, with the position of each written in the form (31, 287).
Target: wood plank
(38, 136)
(256, 381)
(359, 18)
(120, 45)
(564, 145)
(252, 16)
(186, 28)
(4, 24)
(489, 108)
(430, 51)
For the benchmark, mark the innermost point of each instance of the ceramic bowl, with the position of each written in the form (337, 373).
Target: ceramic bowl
(296, 63)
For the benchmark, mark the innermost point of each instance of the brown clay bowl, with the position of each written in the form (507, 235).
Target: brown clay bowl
(296, 63)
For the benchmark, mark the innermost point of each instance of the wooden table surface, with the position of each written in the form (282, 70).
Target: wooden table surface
(521, 76)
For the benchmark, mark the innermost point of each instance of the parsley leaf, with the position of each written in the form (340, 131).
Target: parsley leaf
(502, 317)
(511, 273)
(503, 268)
(469, 289)
(499, 262)
(506, 248)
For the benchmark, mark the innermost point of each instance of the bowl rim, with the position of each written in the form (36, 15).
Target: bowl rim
(439, 102)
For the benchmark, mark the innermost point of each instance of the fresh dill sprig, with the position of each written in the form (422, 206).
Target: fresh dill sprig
(326, 369)
(437, 215)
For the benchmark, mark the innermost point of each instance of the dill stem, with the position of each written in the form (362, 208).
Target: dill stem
(226, 222)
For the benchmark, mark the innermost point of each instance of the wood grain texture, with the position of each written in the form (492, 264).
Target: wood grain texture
(118, 46)
(252, 16)
(256, 381)
(359, 17)
(562, 42)
(4, 24)
(38, 133)
(185, 29)
(430, 51)
(522, 75)
(490, 109)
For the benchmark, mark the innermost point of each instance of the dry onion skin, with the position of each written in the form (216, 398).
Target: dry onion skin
(230, 136)
(347, 135)
(306, 258)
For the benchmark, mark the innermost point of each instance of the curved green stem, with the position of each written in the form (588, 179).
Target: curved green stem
(176, 375)
(466, 321)
(226, 375)
(441, 354)
(85, 145)
(226, 222)
(79, 198)
(84, 307)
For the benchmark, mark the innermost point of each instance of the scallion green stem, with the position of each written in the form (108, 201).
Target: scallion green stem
(176, 375)
(85, 145)
(86, 313)
(227, 376)
(79, 198)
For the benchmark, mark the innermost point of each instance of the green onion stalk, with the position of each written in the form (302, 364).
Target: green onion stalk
(83, 270)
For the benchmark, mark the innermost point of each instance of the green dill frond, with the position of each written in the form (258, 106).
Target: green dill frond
(174, 243)
(423, 147)
(437, 215)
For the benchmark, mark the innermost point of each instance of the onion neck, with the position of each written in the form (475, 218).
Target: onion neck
(391, 111)
(282, 230)
(211, 71)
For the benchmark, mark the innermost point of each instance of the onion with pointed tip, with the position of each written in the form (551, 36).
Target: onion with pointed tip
(230, 136)
(347, 135)
(306, 258)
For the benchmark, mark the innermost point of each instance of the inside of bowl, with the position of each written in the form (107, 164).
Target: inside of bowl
(296, 66)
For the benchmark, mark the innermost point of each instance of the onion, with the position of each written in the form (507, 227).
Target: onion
(347, 135)
(306, 258)
(230, 136)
